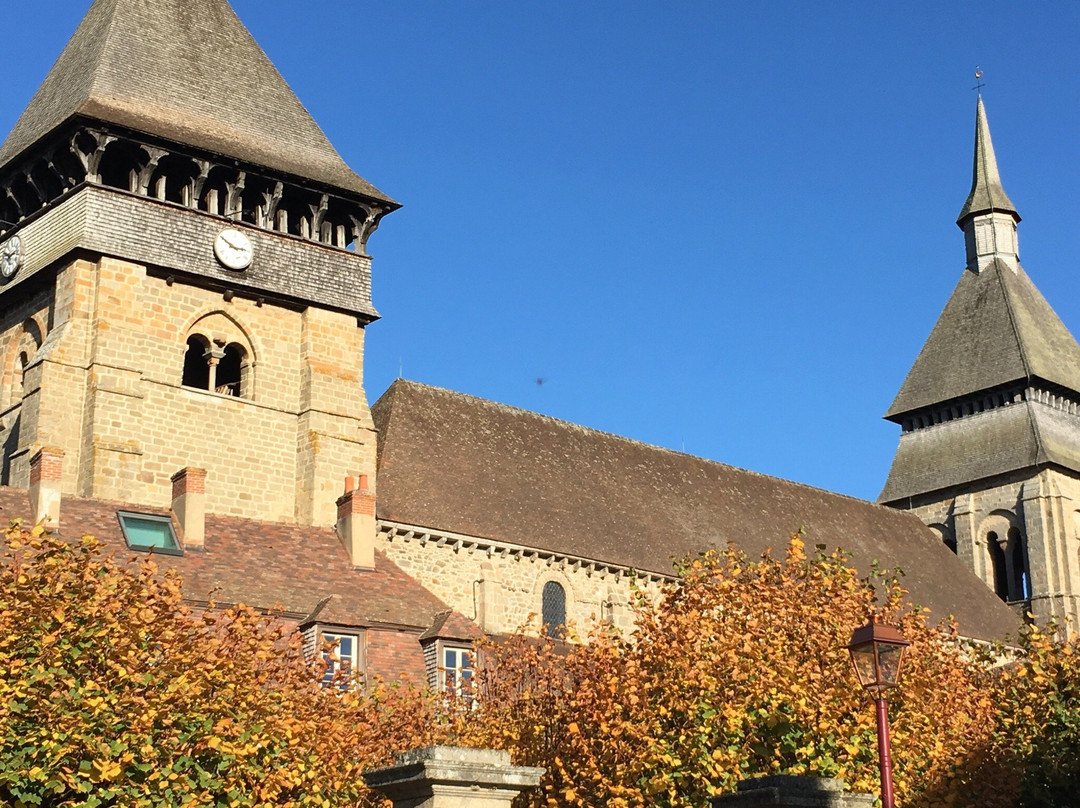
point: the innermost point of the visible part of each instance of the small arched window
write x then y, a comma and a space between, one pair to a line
553, 609
223, 370
196, 363
997, 558
230, 371
17, 377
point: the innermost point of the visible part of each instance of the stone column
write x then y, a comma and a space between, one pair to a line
450, 777
791, 791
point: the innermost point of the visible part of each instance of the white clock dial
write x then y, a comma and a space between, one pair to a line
233, 249
10, 257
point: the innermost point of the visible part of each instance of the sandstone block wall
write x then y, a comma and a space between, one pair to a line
105, 386
1044, 506
500, 587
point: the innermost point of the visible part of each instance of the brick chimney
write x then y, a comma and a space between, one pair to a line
356, 522
189, 505
46, 473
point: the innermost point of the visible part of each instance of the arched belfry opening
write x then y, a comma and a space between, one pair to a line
121, 165
173, 180
196, 366
218, 357
230, 371
1008, 557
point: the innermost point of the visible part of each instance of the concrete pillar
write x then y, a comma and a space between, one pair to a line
356, 525
189, 505
46, 474
450, 777
791, 791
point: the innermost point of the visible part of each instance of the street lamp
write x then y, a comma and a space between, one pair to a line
877, 650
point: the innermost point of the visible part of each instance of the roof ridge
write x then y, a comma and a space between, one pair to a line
100, 54
1011, 311
497, 405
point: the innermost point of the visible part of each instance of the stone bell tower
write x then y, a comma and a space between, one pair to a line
184, 277
989, 456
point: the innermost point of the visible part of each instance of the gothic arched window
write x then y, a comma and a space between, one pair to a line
553, 609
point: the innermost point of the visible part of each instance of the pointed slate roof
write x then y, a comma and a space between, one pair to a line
996, 328
461, 464
190, 72
987, 193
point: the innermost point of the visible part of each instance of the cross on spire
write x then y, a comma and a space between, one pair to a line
978, 81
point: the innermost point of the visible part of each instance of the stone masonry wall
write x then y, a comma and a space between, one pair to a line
500, 586
107, 389
1045, 507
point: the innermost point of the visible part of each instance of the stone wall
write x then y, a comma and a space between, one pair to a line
500, 585
105, 386
1044, 507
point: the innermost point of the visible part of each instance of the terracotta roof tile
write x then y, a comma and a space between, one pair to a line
263, 564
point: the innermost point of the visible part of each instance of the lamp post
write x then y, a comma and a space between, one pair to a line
877, 650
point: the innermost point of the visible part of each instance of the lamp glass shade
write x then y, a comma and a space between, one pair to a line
876, 653
889, 658
862, 658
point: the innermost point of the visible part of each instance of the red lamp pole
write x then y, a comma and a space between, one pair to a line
877, 652
884, 748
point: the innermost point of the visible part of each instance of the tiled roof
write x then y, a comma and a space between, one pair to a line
187, 71
263, 564
465, 465
996, 329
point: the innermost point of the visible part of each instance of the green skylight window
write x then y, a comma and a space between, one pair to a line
143, 531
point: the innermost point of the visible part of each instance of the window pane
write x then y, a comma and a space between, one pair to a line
553, 608
147, 532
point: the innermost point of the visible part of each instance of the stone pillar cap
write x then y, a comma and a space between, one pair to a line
792, 791
452, 765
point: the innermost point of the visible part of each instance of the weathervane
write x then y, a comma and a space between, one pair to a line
978, 81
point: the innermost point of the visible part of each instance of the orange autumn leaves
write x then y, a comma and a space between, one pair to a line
739, 670
112, 692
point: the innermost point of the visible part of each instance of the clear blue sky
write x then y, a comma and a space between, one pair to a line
724, 227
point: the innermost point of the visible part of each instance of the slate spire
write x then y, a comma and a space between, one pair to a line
970, 405
187, 71
987, 194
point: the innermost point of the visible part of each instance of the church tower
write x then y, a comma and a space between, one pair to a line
989, 455
184, 281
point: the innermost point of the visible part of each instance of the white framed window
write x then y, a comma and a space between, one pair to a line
342, 659
456, 669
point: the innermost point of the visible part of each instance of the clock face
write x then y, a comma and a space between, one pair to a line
233, 249
10, 256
